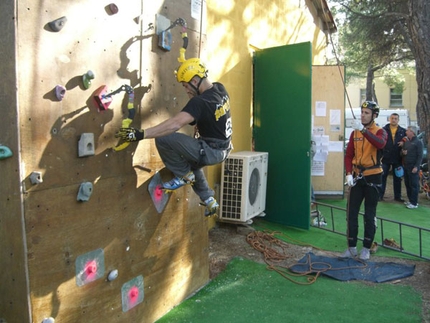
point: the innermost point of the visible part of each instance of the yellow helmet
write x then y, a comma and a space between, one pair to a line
190, 68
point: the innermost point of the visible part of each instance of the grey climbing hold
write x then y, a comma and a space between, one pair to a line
36, 178
86, 145
113, 8
85, 191
48, 320
112, 275
58, 24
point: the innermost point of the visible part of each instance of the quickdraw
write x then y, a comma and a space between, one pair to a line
101, 98
130, 107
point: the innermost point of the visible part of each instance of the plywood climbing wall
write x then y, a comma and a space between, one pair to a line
59, 250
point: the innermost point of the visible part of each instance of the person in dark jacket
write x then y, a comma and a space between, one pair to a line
412, 155
391, 158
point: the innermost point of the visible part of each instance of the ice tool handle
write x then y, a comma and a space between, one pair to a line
131, 111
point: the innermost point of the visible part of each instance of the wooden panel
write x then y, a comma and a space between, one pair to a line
13, 282
170, 250
167, 249
327, 86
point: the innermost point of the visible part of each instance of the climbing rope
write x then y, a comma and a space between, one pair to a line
275, 253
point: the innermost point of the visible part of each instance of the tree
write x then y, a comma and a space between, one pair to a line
369, 43
378, 34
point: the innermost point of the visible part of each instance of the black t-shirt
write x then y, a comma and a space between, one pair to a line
211, 112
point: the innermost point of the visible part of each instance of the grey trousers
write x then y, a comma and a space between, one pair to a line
182, 154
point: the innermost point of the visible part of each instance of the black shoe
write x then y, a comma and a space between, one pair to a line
381, 198
399, 200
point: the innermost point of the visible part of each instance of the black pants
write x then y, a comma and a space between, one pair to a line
412, 183
397, 181
365, 189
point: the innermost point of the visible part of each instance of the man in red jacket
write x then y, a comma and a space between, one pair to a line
364, 177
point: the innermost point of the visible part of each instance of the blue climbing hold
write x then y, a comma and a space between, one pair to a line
5, 152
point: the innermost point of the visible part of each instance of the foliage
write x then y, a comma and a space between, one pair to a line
370, 40
377, 34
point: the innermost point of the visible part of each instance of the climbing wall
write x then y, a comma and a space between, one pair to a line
80, 226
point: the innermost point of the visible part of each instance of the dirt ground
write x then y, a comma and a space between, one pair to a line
227, 241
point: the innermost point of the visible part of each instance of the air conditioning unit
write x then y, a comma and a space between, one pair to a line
243, 186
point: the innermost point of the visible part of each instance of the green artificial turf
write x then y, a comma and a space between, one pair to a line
247, 292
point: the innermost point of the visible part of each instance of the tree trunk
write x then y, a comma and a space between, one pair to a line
375, 98
369, 83
419, 28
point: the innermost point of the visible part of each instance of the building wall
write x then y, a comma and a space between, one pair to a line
410, 95
45, 231
238, 28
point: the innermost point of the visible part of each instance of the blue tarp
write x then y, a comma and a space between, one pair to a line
352, 269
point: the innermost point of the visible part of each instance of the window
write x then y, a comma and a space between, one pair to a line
396, 99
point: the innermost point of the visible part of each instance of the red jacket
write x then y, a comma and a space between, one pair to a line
364, 151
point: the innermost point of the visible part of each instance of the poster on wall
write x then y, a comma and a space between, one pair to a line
321, 109
196, 8
318, 168
321, 151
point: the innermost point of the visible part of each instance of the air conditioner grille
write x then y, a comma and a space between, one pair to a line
254, 183
232, 193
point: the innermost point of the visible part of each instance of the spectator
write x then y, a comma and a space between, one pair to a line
391, 158
412, 153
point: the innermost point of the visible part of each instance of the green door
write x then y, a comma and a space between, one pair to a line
282, 127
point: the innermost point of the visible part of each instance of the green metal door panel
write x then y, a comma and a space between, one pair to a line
282, 127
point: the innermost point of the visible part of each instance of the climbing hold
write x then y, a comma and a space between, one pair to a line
113, 8
165, 40
102, 99
85, 191
86, 79
60, 92
112, 275
132, 293
48, 320
36, 178
58, 24
158, 195
5, 152
86, 145
89, 267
